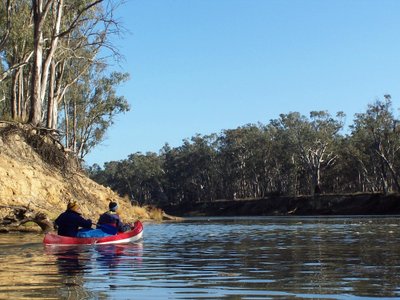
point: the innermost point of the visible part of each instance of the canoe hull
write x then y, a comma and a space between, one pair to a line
123, 237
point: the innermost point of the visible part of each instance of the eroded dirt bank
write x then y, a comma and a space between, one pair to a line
36, 172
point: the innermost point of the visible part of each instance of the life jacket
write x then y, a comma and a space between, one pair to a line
109, 222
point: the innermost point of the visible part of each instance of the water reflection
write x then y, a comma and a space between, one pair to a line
240, 258
112, 255
83, 268
69, 259
72, 261
309, 257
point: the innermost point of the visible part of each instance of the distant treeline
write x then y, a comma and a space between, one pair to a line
291, 155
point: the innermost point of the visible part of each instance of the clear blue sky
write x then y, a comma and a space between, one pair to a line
202, 66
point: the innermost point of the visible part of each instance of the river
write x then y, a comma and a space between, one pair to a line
215, 258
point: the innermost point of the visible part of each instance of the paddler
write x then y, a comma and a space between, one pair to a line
69, 222
110, 222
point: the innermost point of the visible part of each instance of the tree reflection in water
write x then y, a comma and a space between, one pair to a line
68, 258
76, 263
71, 262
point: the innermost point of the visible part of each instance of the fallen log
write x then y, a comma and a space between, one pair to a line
170, 218
13, 217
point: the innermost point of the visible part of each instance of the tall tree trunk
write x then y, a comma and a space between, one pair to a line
53, 46
7, 23
25, 95
66, 117
14, 95
51, 100
36, 104
385, 184
395, 174
75, 128
41, 66
21, 92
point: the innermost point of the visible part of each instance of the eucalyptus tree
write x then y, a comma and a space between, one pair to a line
204, 164
94, 105
145, 178
15, 22
65, 72
312, 139
87, 34
117, 175
377, 135
56, 20
96, 173
5, 21
190, 172
40, 40
268, 162
43, 50
171, 185
175, 174
109, 176
283, 167
16, 52
343, 176
232, 155
246, 154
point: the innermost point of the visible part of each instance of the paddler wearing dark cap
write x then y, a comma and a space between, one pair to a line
110, 222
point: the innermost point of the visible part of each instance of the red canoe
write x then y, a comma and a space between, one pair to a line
123, 237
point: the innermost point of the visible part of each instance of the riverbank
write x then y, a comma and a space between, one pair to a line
38, 177
346, 204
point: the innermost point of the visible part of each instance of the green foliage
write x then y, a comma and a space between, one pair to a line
93, 104
287, 156
139, 177
49, 56
190, 170
376, 144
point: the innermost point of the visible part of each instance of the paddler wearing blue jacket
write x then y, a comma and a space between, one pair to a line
110, 222
69, 222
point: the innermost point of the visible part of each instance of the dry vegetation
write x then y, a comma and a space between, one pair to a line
36, 172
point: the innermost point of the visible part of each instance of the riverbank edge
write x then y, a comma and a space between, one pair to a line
326, 204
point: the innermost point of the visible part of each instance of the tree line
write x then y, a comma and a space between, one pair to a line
54, 68
291, 155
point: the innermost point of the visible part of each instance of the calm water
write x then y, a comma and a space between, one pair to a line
224, 258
